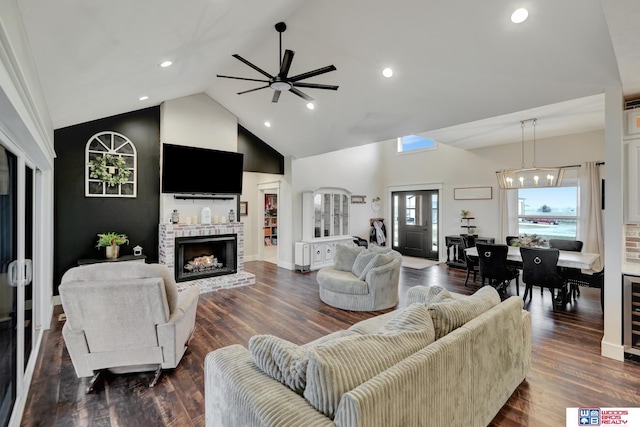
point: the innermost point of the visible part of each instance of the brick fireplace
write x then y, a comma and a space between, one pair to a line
168, 233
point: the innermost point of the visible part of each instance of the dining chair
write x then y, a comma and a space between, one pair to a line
566, 245
568, 273
471, 263
492, 261
540, 268
511, 239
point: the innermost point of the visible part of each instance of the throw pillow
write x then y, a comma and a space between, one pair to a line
361, 261
345, 257
377, 261
450, 315
285, 361
428, 295
379, 249
341, 365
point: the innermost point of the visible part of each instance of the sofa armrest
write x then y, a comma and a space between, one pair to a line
78, 349
173, 335
237, 393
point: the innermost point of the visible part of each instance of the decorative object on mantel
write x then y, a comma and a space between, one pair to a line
244, 208
358, 199
137, 250
232, 215
531, 240
110, 166
205, 215
533, 177
111, 241
376, 203
175, 217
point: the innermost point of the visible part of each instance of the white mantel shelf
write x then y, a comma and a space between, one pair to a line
167, 234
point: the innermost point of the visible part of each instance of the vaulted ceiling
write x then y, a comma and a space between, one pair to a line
455, 62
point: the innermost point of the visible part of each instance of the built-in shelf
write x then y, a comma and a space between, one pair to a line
203, 197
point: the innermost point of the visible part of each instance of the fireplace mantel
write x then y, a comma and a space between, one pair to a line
166, 253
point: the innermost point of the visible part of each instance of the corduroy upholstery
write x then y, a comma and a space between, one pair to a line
461, 379
371, 285
126, 317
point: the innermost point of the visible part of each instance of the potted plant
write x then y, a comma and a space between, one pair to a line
111, 241
465, 213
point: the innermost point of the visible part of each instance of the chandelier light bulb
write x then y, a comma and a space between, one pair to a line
310, 106
267, 124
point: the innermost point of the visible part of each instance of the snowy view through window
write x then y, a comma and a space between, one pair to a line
550, 213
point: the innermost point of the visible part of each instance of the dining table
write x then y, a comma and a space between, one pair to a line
569, 259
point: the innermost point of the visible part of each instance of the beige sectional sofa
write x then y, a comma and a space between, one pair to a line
445, 359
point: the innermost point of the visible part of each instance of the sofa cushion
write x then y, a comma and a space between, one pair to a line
345, 257
285, 361
379, 249
361, 261
341, 365
343, 282
450, 315
373, 260
428, 294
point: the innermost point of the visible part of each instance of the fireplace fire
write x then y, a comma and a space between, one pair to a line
205, 256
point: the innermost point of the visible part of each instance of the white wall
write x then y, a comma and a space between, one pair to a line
372, 169
359, 170
197, 121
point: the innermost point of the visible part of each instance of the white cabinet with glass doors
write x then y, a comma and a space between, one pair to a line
325, 223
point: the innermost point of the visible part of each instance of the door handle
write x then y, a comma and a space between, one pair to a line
12, 273
28, 272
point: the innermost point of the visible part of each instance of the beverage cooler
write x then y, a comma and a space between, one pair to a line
631, 326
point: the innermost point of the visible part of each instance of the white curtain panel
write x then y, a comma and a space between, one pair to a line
590, 230
508, 214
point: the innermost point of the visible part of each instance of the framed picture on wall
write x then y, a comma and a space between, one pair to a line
244, 208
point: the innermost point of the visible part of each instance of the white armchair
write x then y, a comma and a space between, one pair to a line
125, 317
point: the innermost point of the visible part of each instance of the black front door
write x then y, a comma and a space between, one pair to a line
415, 223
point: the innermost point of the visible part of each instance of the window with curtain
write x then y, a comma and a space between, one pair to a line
551, 213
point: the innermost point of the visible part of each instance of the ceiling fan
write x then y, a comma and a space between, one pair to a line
282, 82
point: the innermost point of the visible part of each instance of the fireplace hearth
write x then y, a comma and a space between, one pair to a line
205, 256
207, 248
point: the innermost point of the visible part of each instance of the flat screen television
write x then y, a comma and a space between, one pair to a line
195, 170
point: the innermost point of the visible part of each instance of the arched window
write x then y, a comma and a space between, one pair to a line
110, 166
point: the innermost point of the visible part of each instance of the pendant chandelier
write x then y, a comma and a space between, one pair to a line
533, 177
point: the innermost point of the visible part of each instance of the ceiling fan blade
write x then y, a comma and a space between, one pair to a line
301, 94
276, 95
251, 90
312, 73
261, 71
315, 86
241, 78
286, 63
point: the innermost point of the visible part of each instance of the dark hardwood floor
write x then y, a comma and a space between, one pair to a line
567, 369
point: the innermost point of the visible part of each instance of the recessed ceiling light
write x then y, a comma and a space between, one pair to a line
310, 106
520, 15
387, 72
143, 98
267, 124
165, 64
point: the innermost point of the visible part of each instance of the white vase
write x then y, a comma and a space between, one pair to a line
112, 251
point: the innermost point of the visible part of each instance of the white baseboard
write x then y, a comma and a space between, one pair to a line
612, 351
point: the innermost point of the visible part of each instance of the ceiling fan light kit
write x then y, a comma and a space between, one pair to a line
533, 177
281, 82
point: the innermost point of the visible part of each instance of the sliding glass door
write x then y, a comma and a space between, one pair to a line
17, 302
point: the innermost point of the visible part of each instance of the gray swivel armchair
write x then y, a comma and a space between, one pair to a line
125, 317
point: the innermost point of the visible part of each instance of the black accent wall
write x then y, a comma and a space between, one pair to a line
258, 156
78, 219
